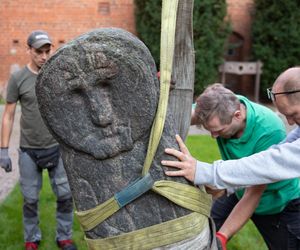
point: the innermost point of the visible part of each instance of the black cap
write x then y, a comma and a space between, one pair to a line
38, 39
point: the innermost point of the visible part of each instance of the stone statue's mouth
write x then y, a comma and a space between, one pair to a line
110, 131
108, 142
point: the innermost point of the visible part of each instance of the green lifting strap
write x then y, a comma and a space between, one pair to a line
92, 217
187, 196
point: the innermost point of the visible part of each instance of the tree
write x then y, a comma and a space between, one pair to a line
276, 37
210, 34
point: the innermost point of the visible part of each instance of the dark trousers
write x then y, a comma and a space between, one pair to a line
280, 231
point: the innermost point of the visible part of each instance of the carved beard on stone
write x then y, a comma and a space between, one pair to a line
95, 79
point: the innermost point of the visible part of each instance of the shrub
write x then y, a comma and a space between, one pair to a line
210, 35
276, 37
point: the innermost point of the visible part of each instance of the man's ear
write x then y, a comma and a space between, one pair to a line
237, 114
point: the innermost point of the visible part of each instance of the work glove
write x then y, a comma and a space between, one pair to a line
5, 161
221, 241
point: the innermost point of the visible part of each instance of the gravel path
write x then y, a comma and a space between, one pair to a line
8, 180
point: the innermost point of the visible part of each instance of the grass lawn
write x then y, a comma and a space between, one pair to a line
11, 228
204, 148
11, 236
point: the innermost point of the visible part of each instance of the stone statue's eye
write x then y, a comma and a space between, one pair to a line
69, 68
100, 60
104, 83
97, 60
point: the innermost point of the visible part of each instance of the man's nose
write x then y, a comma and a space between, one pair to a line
44, 55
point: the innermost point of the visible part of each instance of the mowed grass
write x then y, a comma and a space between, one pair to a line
11, 237
11, 227
204, 148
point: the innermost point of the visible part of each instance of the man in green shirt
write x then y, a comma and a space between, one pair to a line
243, 128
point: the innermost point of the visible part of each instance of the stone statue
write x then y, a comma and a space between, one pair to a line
98, 95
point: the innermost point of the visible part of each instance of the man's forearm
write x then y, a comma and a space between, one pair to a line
7, 124
278, 163
242, 211
5, 133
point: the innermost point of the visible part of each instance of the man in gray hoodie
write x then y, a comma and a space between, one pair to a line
277, 163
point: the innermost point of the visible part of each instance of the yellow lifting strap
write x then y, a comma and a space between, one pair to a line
167, 44
184, 195
151, 237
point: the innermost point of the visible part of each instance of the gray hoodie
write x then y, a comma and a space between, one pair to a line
279, 162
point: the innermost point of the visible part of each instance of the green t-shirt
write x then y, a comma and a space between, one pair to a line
34, 133
263, 129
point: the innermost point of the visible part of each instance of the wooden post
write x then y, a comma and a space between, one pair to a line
181, 98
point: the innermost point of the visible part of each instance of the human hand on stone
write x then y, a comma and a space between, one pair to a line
186, 164
5, 161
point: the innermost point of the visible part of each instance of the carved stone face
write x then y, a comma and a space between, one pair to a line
107, 87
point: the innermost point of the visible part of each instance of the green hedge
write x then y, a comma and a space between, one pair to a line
210, 35
276, 37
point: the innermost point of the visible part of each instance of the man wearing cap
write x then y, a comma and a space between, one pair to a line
38, 149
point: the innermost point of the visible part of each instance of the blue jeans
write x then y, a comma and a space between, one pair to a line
31, 180
280, 231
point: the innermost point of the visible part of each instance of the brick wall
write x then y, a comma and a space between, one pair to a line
240, 14
66, 19
63, 20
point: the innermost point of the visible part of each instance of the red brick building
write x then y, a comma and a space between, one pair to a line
240, 16
63, 20
67, 19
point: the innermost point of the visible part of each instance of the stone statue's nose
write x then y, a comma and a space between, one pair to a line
101, 109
